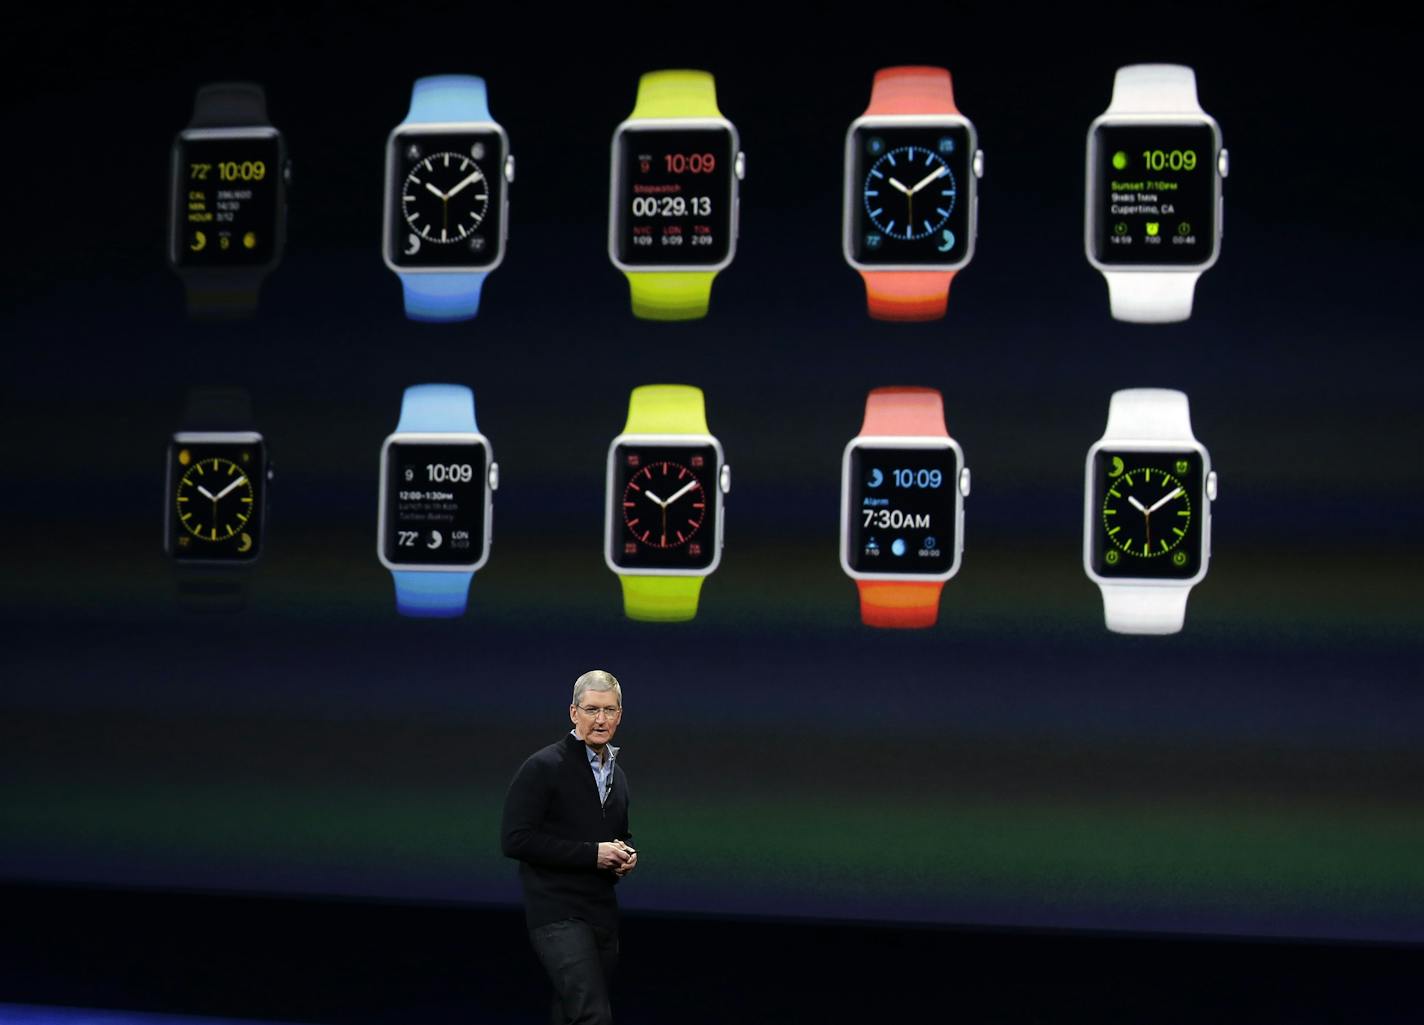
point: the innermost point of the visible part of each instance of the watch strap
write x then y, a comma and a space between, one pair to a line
666, 409
676, 93
670, 295
217, 409
900, 411
434, 409
1149, 414
1155, 89
1151, 297
436, 298
229, 105
1144, 609
909, 296
673, 295
448, 98
660, 599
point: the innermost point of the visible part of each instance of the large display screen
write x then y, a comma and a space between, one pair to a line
435, 503
226, 189
216, 499
673, 196
663, 506
446, 206
1016, 766
1147, 513
1154, 189
911, 194
901, 507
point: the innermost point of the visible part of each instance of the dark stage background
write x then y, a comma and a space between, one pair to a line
1261, 774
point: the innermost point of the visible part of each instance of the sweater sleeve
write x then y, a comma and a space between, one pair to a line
524, 808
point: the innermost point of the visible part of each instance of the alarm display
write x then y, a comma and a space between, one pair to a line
673, 196
435, 502
902, 506
1154, 194
227, 187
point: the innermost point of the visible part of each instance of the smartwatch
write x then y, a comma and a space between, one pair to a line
1147, 513
666, 482
1153, 210
215, 499
438, 478
673, 201
227, 215
448, 168
911, 213
903, 485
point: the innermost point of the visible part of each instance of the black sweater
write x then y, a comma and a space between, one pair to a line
553, 823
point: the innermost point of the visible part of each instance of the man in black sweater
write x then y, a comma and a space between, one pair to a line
566, 821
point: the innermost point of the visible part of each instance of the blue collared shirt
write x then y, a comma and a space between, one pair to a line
602, 768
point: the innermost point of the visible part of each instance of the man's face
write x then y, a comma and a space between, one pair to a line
596, 717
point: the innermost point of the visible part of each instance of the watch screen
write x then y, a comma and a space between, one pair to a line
435, 503
910, 200
664, 506
225, 194
672, 202
1146, 514
902, 507
1154, 193
447, 198
216, 500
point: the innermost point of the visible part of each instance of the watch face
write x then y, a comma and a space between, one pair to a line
1146, 513
663, 512
910, 194
434, 503
227, 191
673, 196
216, 496
1154, 194
446, 203
902, 506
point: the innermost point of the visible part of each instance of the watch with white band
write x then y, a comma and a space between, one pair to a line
1148, 487
1153, 210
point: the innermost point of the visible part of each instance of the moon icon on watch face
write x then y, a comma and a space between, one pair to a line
435, 539
876, 478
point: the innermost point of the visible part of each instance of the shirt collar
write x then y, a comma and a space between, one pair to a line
593, 758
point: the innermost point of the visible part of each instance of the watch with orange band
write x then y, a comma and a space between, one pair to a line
912, 170
903, 485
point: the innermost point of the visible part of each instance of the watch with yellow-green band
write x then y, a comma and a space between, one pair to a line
666, 481
677, 166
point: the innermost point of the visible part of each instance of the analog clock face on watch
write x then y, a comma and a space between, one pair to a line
665, 506
911, 194
1147, 515
216, 500
447, 199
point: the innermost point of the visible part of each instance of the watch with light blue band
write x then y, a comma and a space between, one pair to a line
438, 476
446, 209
